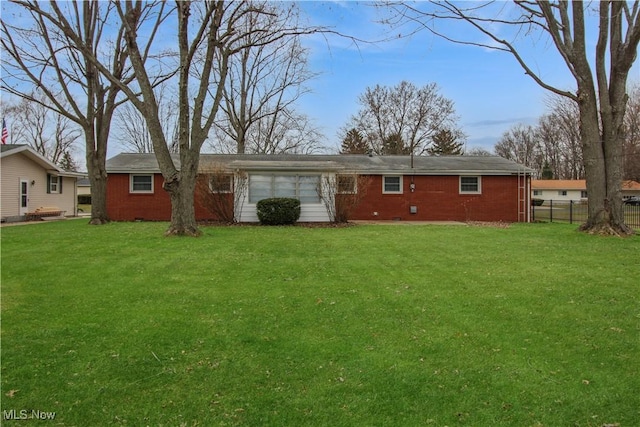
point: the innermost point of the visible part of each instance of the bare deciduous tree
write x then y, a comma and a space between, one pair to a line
631, 145
559, 135
601, 83
50, 47
263, 83
520, 144
131, 130
33, 123
412, 114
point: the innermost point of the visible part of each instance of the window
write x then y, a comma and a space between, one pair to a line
470, 185
346, 184
583, 194
392, 184
301, 187
562, 193
141, 184
54, 184
221, 183
537, 192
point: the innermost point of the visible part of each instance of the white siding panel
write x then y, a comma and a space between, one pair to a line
308, 213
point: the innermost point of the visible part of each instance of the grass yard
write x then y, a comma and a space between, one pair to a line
532, 325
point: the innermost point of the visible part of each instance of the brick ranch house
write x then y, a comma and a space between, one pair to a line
401, 188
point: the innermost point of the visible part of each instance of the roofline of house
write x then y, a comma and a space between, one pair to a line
345, 171
46, 164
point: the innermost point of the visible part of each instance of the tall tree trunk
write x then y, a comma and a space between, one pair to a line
181, 188
96, 167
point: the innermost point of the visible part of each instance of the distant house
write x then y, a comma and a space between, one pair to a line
30, 182
630, 189
84, 187
559, 190
566, 190
445, 188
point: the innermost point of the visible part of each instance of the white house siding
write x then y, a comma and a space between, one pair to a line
575, 195
17, 167
308, 213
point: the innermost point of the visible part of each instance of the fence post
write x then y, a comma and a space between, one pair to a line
571, 212
533, 212
551, 210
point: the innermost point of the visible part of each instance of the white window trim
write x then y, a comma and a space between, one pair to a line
384, 178
479, 178
57, 179
131, 190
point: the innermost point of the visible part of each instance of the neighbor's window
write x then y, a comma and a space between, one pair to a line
221, 183
470, 184
141, 183
583, 194
537, 192
562, 193
301, 187
392, 184
54, 184
346, 184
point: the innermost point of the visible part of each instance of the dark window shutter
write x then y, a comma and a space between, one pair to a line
60, 184
48, 183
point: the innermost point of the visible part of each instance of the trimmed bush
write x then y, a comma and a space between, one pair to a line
278, 211
537, 202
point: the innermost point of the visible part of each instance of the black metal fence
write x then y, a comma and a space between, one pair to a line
576, 212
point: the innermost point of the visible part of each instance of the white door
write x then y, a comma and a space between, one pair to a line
24, 196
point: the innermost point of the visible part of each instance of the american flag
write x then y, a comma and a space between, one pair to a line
5, 132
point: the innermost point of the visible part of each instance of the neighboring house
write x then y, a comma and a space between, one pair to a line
30, 181
445, 188
630, 189
84, 187
559, 190
567, 190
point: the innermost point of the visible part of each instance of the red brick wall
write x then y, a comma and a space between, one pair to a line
437, 198
125, 206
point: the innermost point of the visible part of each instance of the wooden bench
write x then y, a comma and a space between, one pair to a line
47, 212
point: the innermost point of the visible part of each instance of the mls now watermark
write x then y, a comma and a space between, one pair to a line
27, 414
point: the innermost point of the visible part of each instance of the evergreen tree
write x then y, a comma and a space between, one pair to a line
547, 173
394, 145
68, 163
354, 143
446, 143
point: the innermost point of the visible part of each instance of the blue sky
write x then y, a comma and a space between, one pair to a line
489, 88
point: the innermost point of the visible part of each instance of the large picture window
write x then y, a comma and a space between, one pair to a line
301, 187
470, 185
141, 183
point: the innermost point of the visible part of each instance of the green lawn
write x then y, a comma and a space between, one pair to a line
532, 325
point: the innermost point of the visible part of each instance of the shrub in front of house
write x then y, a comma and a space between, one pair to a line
537, 202
278, 211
